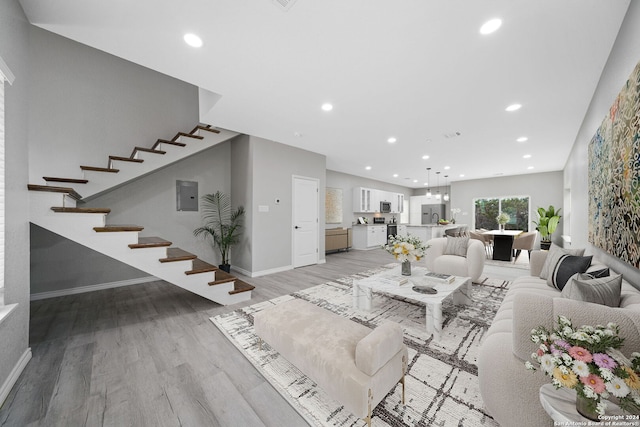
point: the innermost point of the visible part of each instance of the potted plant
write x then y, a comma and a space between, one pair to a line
548, 220
221, 224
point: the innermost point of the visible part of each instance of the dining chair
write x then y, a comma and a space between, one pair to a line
479, 236
523, 241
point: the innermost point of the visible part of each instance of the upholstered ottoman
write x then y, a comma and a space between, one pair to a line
355, 365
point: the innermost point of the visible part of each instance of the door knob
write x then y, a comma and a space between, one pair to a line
296, 227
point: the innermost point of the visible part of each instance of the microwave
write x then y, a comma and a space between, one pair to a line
385, 207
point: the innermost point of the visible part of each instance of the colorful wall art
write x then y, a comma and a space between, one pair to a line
614, 177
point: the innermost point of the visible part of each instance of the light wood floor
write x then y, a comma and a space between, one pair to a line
147, 355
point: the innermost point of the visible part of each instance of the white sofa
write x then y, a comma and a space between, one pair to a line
470, 266
509, 391
353, 364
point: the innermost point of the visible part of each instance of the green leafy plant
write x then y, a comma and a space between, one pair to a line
221, 224
548, 220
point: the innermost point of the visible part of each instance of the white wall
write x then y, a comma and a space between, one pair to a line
347, 183
86, 105
622, 60
14, 48
543, 189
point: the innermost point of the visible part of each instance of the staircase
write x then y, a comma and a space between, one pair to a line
53, 206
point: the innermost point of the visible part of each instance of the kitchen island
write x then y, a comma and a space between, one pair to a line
429, 231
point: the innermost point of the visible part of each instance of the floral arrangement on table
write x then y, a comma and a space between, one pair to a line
503, 218
587, 359
405, 248
454, 212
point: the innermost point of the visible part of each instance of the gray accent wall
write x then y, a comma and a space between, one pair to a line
624, 56
543, 189
262, 172
14, 47
86, 104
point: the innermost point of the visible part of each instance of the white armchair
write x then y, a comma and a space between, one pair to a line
469, 266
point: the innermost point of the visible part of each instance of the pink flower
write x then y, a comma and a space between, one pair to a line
595, 382
604, 361
540, 352
581, 354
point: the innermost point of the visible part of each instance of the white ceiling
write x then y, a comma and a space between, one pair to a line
415, 70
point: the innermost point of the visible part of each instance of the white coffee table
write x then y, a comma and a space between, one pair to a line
386, 282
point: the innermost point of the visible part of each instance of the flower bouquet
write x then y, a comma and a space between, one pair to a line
502, 219
588, 360
405, 249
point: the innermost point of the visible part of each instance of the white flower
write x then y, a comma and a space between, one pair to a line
580, 368
606, 374
535, 339
544, 348
567, 358
611, 325
618, 357
567, 331
563, 321
589, 393
636, 400
529, 366
601, 406
546, 361
617, 387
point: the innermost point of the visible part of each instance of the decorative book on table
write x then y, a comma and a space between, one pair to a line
393, 280
439, 277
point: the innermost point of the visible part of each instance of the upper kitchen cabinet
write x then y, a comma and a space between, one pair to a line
365, 200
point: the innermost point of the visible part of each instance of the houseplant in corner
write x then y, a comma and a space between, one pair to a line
548, 220
221, 224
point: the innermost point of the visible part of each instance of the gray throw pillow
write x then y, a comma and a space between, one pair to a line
555, 252
567, 266
457, 246
602, 290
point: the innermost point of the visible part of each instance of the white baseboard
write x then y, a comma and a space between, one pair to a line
91, 288
14, 375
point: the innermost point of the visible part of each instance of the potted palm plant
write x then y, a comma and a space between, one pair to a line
221, 224
548, 220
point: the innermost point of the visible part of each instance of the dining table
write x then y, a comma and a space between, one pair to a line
502, 243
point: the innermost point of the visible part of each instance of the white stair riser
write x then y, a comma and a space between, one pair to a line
42, 201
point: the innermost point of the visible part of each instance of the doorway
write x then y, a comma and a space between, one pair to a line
305, 221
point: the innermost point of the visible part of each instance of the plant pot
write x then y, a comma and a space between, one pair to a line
225, 267
587, 407
545, 246
406, 268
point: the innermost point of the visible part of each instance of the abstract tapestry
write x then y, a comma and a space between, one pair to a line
333, 206
614, 177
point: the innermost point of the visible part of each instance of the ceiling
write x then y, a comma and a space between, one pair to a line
418, 71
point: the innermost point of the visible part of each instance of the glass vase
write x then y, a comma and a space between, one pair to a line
406, 268
587, 407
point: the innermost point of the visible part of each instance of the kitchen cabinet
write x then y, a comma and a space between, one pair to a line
369, 236
402, 230
398, 205
363, 200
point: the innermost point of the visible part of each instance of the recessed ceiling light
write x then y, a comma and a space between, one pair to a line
368, 168
513, 107
461, 175
425, 184
415, 180
391, 140
192, 40
425, 157
447, 168
530, 167
327, 107
526, 156
490, 26
522, 139
395, 175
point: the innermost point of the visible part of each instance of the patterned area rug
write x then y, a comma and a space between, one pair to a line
441, 384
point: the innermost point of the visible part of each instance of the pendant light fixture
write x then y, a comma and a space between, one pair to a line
438, 196
429, 182
446, 194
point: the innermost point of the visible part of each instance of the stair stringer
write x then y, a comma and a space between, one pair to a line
79, 228
102, 182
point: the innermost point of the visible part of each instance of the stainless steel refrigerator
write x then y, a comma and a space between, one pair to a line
431, 214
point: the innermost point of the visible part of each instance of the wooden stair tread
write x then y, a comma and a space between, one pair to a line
177, 254
69, 180
222, 277
240, 286
150, 242
125, 159
52, 189
81, 210
117, 228
208, 128
165, 141
199, 266
188, 135
147, 150
97, 169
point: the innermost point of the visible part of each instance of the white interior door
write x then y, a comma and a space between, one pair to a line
305, 221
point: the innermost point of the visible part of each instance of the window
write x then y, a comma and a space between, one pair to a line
517, 207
